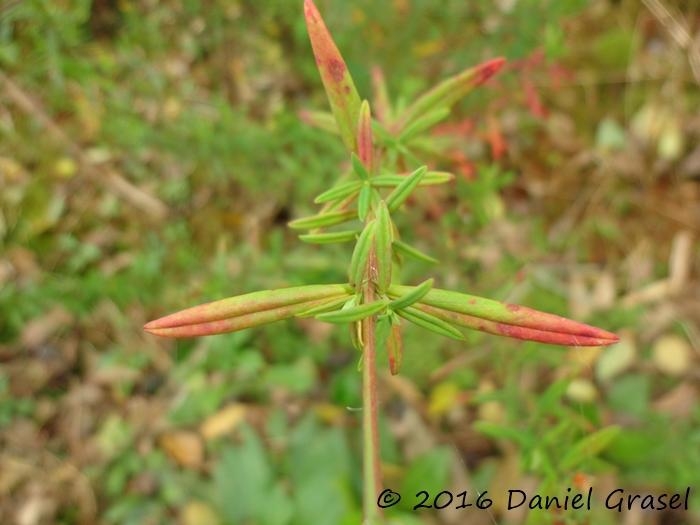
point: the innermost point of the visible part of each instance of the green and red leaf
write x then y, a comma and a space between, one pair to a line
339, 86
244, 311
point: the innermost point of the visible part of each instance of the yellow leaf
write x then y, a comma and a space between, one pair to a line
223, 421
184, 446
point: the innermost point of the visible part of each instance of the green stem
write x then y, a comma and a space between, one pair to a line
370, 424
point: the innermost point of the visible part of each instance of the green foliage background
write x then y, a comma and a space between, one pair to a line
196, 105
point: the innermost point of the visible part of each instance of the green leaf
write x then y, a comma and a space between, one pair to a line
321, 220
431, 178
410, 251
383, 251
413, 296
358, 167
497, 431
356, 313
589, 447
449, 91
326, 306
364, 201
360, 254
397, 197
382, 330
339, 192
339, 86
423, 123
329, 238
430, 322
394, 348
247, 304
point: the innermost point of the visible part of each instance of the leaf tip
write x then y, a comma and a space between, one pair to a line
488, 69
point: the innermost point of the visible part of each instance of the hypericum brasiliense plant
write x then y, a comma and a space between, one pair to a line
359, 209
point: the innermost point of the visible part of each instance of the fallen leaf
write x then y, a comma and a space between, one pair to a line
184, 446
223, 421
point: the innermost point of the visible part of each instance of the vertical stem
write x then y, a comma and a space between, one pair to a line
370, 423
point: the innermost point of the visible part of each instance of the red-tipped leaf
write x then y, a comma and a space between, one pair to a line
339, 86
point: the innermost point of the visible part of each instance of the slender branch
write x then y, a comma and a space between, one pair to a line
370, 425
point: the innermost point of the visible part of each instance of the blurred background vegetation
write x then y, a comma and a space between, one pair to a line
151, 153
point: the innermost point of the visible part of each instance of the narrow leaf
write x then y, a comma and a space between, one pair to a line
351, 315
358, 167
338, 192
394, 347
247, 304
516, 332
321, 220
451, 90
431, 178
365, 144
360, 254
413, 296
329, 238
410, 251
509, 314
383, 251
397, 197
589, 447
328, 305
430, 322
363, 201
423, 123
382, 330
233, 324
339, 86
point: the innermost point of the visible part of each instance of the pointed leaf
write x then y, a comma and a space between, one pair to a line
358, 167
589, 447
229, 324
394, 347
431, 178
397, 197
451, 90
383, 251
329, 238
339, 86
340, 191
360, 254
430, 322
351, 315
363, 201
365, 144
509, 314
247, 304
413, 296
321, 220
409, 251
516, 332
